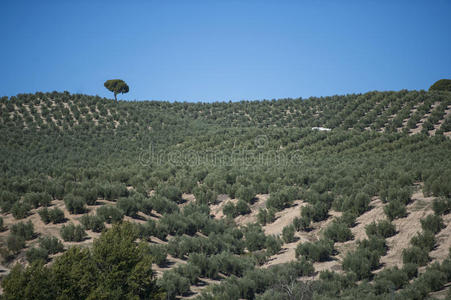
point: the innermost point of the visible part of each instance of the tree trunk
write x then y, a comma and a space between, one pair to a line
115, 97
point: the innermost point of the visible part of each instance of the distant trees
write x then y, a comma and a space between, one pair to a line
441, 85
117, 86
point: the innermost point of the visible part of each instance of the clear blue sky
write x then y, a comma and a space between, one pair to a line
223, 50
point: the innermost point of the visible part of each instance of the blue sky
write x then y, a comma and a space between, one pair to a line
223, 50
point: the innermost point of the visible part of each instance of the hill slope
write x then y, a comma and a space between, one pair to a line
230, 196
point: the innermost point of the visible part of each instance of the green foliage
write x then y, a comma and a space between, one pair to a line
117, 86
432, 223
338, 232
54, 215
273, 244
37, 199
254, 237
266, 216
73, 233
383, 229
24, 230
110, 214
51, 244
174, 284
302, 223
395, 210
282, 198
159, 254
20, 210
15, 243
288, 234
34, 254
441, 85
317, 251
128, 205
424, 240
441, 206
74, 204
415, 255
93, 222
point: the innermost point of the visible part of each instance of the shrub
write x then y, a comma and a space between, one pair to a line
34, 254
162, 205
25, 230
128, 206
37, 199
94, 223
424, 240
110, 214
52, 244
383, 229
229, 210
441, 85
56, 215
266, 216
254, 237
361, 262
273, 245
205, 195
317, 251
44, 214
415, 255
302, 223
2, 228
171, 192
288, 234
441, 206
396, 278
174, 284
338, 232
282, 198
20, 210
432, 223
242, 208
73, 233
159, 254
317, 212
395, 210
246, 194
74, 204
15, 243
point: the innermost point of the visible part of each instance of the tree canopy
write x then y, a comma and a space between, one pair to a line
441, 85
116, 86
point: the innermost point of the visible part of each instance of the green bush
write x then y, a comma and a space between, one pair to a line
441, 206
424, 240
288, 234
441, 85
128, 205
266, 216
242, 208
110, 214
415, 255
94, 223
254, 237
52, 244
246, 194
174, 284
383, 229
74, 204
338, 232
432, 223
317, 251
34, 254
361, 262
15, 243
25, 230
159, 254
301, 224
37, 199
56, 215
273, 245
73, 233
395, 210
44, 214
20, 210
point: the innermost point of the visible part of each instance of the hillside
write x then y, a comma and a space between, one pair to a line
239, 200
